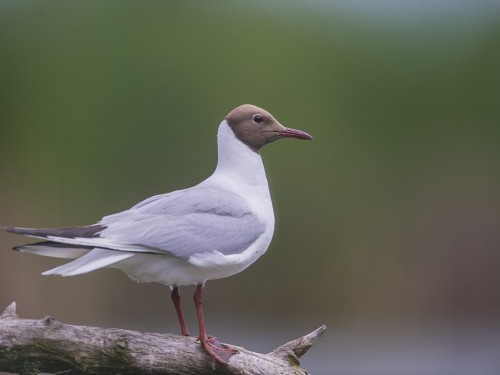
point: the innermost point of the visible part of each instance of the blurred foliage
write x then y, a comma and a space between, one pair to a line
392, 213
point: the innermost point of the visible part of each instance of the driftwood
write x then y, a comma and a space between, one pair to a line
32, 346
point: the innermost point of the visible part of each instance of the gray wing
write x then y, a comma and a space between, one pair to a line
186, 222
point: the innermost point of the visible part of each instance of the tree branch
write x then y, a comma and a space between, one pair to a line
31, 346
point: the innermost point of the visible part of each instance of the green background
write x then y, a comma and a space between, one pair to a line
387, 224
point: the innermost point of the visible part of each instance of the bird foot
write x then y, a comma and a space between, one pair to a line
218, 351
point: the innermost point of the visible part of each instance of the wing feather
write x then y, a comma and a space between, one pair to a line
181, 223
187, 222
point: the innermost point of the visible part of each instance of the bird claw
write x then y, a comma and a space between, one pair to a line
218, 351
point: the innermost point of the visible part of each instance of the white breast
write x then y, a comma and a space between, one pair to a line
239, 170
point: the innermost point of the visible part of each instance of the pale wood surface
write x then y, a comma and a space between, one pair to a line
30, 346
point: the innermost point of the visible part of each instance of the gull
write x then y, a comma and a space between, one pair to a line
210, 231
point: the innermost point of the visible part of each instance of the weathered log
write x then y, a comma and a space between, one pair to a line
30, 346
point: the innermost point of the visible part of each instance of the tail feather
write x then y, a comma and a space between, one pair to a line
54, 249
94, 259
84, 245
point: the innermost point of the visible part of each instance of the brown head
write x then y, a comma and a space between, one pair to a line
256, 127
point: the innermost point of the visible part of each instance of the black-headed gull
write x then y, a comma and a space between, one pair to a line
209, 231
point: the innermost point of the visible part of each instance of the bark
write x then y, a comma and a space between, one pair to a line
30, 346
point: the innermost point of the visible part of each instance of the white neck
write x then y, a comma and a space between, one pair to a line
238, 161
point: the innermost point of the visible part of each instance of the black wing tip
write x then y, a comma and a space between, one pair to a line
27, 231
9, 228
88, 231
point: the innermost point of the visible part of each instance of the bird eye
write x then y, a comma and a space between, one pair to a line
257, 118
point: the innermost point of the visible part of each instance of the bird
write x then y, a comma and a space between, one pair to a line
212, 230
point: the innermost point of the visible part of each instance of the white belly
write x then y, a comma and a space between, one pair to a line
199, 268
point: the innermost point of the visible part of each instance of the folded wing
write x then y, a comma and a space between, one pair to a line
187, 222
181, 224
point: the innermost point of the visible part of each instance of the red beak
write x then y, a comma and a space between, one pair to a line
294, 133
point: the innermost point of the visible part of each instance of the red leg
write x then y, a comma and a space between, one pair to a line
177, 303
212, 346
